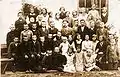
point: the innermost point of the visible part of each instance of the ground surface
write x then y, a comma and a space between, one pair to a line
58, 74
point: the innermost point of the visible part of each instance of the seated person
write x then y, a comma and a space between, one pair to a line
89, 62
70, 66
13, 52
35, 53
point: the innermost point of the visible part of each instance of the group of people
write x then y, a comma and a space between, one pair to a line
40, 41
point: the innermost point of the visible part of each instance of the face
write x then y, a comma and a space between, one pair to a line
16, 39
34, 37
70, 37
74, 13
56, 49
92, 24
32, 10
82, 23
57, 16
65, 24
52, 24
78, 37
104, 10
64, 39
20, 15
100, 38
42, 39
26, 27
32, 19
93, 7
59, 34
34, 26
94, 38
86, 37
44, 24
76, 22
40, 17
44, 11
12, 28
83, 10
67, 13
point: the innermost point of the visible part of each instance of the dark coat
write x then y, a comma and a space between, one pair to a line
84, 32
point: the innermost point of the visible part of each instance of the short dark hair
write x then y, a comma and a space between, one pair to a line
62, 8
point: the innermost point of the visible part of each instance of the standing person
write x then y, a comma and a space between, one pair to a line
11, 35
104, 15
112, 55
26, 32
13, 53
101, 53
19, 24
58, 22
70, 66
62, 12
94, 12
78, 54
83, 29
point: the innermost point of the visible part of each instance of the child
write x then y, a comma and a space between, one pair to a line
79, 54
70, 66
112, 55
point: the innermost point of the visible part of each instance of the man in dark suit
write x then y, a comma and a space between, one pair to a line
83, 29
20, 23
35, 54
11, 35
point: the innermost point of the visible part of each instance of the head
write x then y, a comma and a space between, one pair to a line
50, 36
92, 23
57, 15
52, 24
26, 27
32, 19
44, 11
31, 10
42, 39
34, 26
101, 38
20, 15
104, 10
70, 37
34, 37
39, 17
74, 13
67, 13
102, 25
93, 7
78, 36
112, 42
76, 22
94, 37
64, 39
59, 34
87, 37
65, 23
62, 9
44, 23
56, 50
16, 39
12, 27
83, 10
82, 22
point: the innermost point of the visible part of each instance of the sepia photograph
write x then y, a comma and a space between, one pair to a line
60, 38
